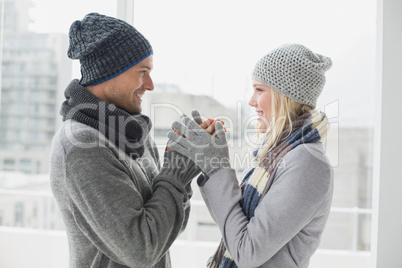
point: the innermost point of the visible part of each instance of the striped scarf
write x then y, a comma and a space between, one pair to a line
310, 127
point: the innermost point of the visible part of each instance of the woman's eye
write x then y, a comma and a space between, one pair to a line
258, 89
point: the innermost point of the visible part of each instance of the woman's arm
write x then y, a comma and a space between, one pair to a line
299, 190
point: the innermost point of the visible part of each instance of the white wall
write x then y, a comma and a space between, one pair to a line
387, 198
21, 248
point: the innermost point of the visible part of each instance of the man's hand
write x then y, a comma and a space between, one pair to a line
208, 125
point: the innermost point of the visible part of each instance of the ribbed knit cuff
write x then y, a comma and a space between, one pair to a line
179, 167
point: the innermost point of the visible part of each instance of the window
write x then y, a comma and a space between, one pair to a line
51, 108
36, 94
51, 122
20, 107
215, 48
5, 108
51, 94
35, 122
24, 162
35, 135
19, 214
4, 122
35, 107
22, 67
20, 94
17, 135
9, 161
38, 169
39, 66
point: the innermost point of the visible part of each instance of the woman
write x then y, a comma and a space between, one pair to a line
275, 218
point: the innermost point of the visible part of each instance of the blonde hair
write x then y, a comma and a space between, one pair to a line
284, 111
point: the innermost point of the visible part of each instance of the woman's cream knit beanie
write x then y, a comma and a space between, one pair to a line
295, 71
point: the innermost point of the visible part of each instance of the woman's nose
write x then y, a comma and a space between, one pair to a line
252, 102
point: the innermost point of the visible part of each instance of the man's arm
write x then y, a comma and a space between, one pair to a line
111, 212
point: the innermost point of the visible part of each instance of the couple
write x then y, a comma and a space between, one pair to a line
120, 212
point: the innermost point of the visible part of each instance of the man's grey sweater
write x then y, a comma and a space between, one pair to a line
118, 212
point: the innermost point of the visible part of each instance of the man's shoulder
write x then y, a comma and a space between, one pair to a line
73, 134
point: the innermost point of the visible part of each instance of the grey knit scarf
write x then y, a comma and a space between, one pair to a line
127, 131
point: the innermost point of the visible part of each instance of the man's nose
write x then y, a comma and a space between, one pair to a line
148, 83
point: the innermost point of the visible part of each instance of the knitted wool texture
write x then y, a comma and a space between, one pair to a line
295, 71
106, 47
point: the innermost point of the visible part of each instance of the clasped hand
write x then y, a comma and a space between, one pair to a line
209, 152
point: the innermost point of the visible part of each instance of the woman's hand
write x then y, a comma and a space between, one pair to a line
209, 152
208, 125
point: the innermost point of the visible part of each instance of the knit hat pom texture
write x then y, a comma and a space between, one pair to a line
295, 71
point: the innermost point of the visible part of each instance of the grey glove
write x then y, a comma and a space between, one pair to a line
177, 166
209, 153
196, 117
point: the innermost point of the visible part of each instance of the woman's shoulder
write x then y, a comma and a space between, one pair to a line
307, 162
308, 154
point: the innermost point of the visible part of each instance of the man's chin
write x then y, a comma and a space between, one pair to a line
136, 110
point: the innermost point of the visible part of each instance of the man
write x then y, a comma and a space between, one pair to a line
119, 209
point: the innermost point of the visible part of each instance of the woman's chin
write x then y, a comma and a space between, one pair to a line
262, 128
262, 125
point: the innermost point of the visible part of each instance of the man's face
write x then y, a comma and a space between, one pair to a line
126, 90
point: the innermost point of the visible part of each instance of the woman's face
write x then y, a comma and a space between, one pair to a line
261, 101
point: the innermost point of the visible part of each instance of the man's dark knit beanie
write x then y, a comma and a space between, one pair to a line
106, 47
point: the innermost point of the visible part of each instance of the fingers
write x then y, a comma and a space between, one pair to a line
206, 124
177, 132
190, 123
175, 138
180, 129
196, 117
169, 149
177, 143
211, 127
196, 127
220, 131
